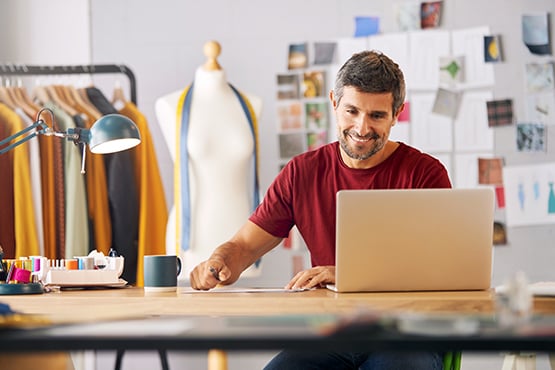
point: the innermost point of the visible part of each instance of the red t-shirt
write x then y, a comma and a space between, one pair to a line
304, 192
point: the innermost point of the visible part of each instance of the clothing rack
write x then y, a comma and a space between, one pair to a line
24, 70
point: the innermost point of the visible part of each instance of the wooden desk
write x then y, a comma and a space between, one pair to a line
211, 310
77, 305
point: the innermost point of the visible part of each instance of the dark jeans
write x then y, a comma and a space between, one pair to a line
291, 360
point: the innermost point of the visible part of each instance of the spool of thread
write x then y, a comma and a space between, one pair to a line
21, 275
86, 263
72, 264
27, 264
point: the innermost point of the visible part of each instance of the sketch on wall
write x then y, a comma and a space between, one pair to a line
530, 194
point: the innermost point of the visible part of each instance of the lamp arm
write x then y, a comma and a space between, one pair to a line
74, 134
43, 131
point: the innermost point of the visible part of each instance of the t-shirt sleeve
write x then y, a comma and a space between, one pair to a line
275, 212
433, 173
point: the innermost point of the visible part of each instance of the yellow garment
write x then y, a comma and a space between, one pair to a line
153, 212
26, 239
177, 171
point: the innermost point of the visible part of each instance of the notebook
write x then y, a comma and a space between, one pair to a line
414, 240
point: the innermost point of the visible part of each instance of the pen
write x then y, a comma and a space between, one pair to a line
10, 273
215, 273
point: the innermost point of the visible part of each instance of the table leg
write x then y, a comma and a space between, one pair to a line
217, 360
552, 360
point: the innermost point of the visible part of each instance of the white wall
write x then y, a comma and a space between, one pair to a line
45, 32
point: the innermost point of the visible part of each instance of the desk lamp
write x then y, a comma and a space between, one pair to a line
109, 134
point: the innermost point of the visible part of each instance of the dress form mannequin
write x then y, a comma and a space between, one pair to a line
220, 146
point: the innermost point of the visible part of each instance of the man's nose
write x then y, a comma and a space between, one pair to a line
363, 126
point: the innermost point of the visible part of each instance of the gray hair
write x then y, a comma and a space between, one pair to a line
371, 71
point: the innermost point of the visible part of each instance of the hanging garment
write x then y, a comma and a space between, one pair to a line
76, 218
47, 173
100, 229
7, 224
181, 168
153, 212
34, 158
59, 192
26, 241
122, 196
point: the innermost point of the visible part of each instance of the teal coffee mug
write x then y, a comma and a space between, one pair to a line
160, 273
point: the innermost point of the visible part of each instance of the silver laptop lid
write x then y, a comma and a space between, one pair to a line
414, 239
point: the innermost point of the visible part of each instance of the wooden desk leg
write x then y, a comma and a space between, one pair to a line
519, 361
217, 360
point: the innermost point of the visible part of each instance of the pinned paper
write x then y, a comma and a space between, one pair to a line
535, 33
500, 112
405, 113
447, 103
500, 196
540, 77
366, 26
298, 56
490, 171
531, 137
430, 13
324, 52
492, 49
408, 16
451, 70
499, 233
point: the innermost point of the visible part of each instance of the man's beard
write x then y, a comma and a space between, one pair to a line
378, 144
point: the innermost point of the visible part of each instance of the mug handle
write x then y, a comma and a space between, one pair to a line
178, 265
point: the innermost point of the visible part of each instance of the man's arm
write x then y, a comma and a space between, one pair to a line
230, 259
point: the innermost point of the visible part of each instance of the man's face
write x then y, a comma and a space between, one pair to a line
364, 121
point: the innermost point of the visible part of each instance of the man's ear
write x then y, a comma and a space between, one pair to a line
401, 109
332, 100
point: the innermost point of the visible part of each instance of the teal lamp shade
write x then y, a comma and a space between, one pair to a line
113, 133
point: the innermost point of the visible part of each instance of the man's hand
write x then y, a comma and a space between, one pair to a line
209, 273
313, 278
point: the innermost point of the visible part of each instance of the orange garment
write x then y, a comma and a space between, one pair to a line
153, 212
48, 192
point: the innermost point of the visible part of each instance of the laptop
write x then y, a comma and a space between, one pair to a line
414, 240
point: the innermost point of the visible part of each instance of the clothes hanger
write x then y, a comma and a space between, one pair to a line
64, 94
20, 92
83, 93
118, 97
11, 90
29, 110
81, 104
59, 101
41, 94
5, 96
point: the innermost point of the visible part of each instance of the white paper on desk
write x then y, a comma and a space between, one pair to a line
133, 328
241, 290
541, 288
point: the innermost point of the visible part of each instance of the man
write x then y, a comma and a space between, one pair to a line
367, 99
